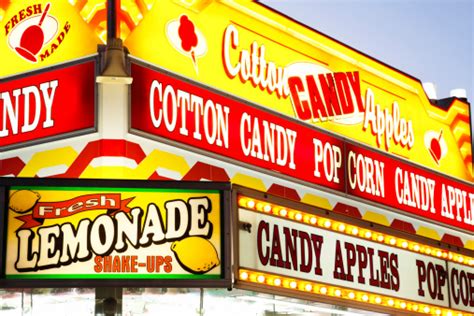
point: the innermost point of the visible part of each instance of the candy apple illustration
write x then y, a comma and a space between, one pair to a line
32, 39
436, 145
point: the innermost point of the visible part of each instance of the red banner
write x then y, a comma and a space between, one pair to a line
47, 104
177, 110
49, 210
180, 111
379, 178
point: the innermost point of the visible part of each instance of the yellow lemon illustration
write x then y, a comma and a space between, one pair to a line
23, 200
195, 254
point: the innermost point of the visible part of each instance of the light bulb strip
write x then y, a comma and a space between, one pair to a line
352, 230
306, 286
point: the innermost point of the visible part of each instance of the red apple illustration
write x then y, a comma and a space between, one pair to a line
32, 39
435, 147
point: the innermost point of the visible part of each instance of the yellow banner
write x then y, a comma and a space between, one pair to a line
38, 34
103, 233
245, 49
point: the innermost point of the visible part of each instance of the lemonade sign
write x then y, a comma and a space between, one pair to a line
113, 233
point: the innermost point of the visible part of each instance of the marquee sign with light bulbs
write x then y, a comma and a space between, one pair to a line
291, 249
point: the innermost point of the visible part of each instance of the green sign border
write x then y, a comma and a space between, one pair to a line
114, 279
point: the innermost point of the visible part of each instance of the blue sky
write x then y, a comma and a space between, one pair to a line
432, 40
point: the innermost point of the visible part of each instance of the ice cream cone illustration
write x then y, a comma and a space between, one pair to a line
32, 39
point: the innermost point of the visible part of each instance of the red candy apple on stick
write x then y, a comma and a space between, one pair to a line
189, 39
32, 39
435, 147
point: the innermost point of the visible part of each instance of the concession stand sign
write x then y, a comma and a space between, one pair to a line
113, 232
40, 34
178, 110
48, 104
250, 51
283, 248
47, 76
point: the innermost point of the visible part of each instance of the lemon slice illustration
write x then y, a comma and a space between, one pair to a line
23, 200
195, 254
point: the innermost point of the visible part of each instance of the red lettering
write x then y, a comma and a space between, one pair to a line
133, 264
441, 280
374, 274
98, 264
317, 105
435, 278
21, 15
263, 227
305, 243
107, 263
330, 95
362, 259
159, 260
394, 271
301, 107
277, 257
290, 248
285, 253
339, 272
29, 11
125, 264
168, 267
344, 93
37, 8
464, 287
351, 259
116, 264
150, 264
14, 21
353, 78
317, 243
384, 265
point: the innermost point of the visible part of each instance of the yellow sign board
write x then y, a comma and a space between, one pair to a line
36, 34
97, 232
246, 49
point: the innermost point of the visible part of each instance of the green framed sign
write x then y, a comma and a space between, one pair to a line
59, 232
